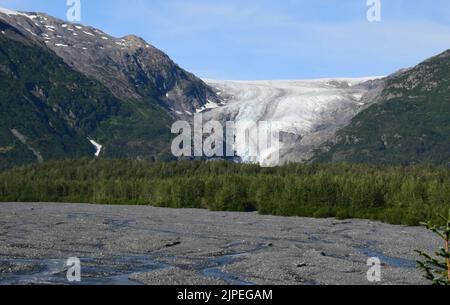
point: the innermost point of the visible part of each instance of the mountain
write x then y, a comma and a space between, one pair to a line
309, 112
47, 109
409, 123
128, 66
69, 91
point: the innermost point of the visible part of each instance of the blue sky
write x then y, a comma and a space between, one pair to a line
269, 39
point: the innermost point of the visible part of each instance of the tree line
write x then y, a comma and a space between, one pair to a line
394, 194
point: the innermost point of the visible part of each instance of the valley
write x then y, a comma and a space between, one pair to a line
88, 172
124, 94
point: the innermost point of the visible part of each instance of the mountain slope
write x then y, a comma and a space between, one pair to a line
68, 91
409, 124
48, 110
128, 66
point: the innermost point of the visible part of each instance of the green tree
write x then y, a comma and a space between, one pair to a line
437, 268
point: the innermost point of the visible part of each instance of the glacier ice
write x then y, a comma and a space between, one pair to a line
309, 112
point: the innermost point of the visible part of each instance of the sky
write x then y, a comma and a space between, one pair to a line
272, 39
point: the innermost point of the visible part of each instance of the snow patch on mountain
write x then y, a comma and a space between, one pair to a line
16, 13
10, 12
98, 147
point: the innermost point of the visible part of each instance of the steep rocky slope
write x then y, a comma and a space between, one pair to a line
408, 124
47, 110
128, 66
51, 111
69, 91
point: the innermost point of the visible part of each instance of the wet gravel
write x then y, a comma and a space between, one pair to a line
146, 245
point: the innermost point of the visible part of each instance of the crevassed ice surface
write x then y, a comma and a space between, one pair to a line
308, 111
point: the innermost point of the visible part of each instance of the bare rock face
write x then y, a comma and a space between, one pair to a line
128, 66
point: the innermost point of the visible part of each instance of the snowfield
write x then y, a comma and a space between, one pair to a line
309, 111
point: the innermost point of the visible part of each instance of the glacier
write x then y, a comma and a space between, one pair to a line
309, 112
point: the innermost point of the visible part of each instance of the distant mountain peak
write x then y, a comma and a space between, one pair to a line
135, 39
65, 84
9, 12
129, 66
408, 124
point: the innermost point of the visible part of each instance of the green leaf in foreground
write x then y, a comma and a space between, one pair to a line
437, 268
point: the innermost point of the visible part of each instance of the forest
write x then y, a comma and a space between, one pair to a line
404, 195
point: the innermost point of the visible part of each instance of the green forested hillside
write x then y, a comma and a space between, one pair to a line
395, 194
48, 111
409, 125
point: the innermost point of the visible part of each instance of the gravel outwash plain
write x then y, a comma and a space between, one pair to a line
147, 245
